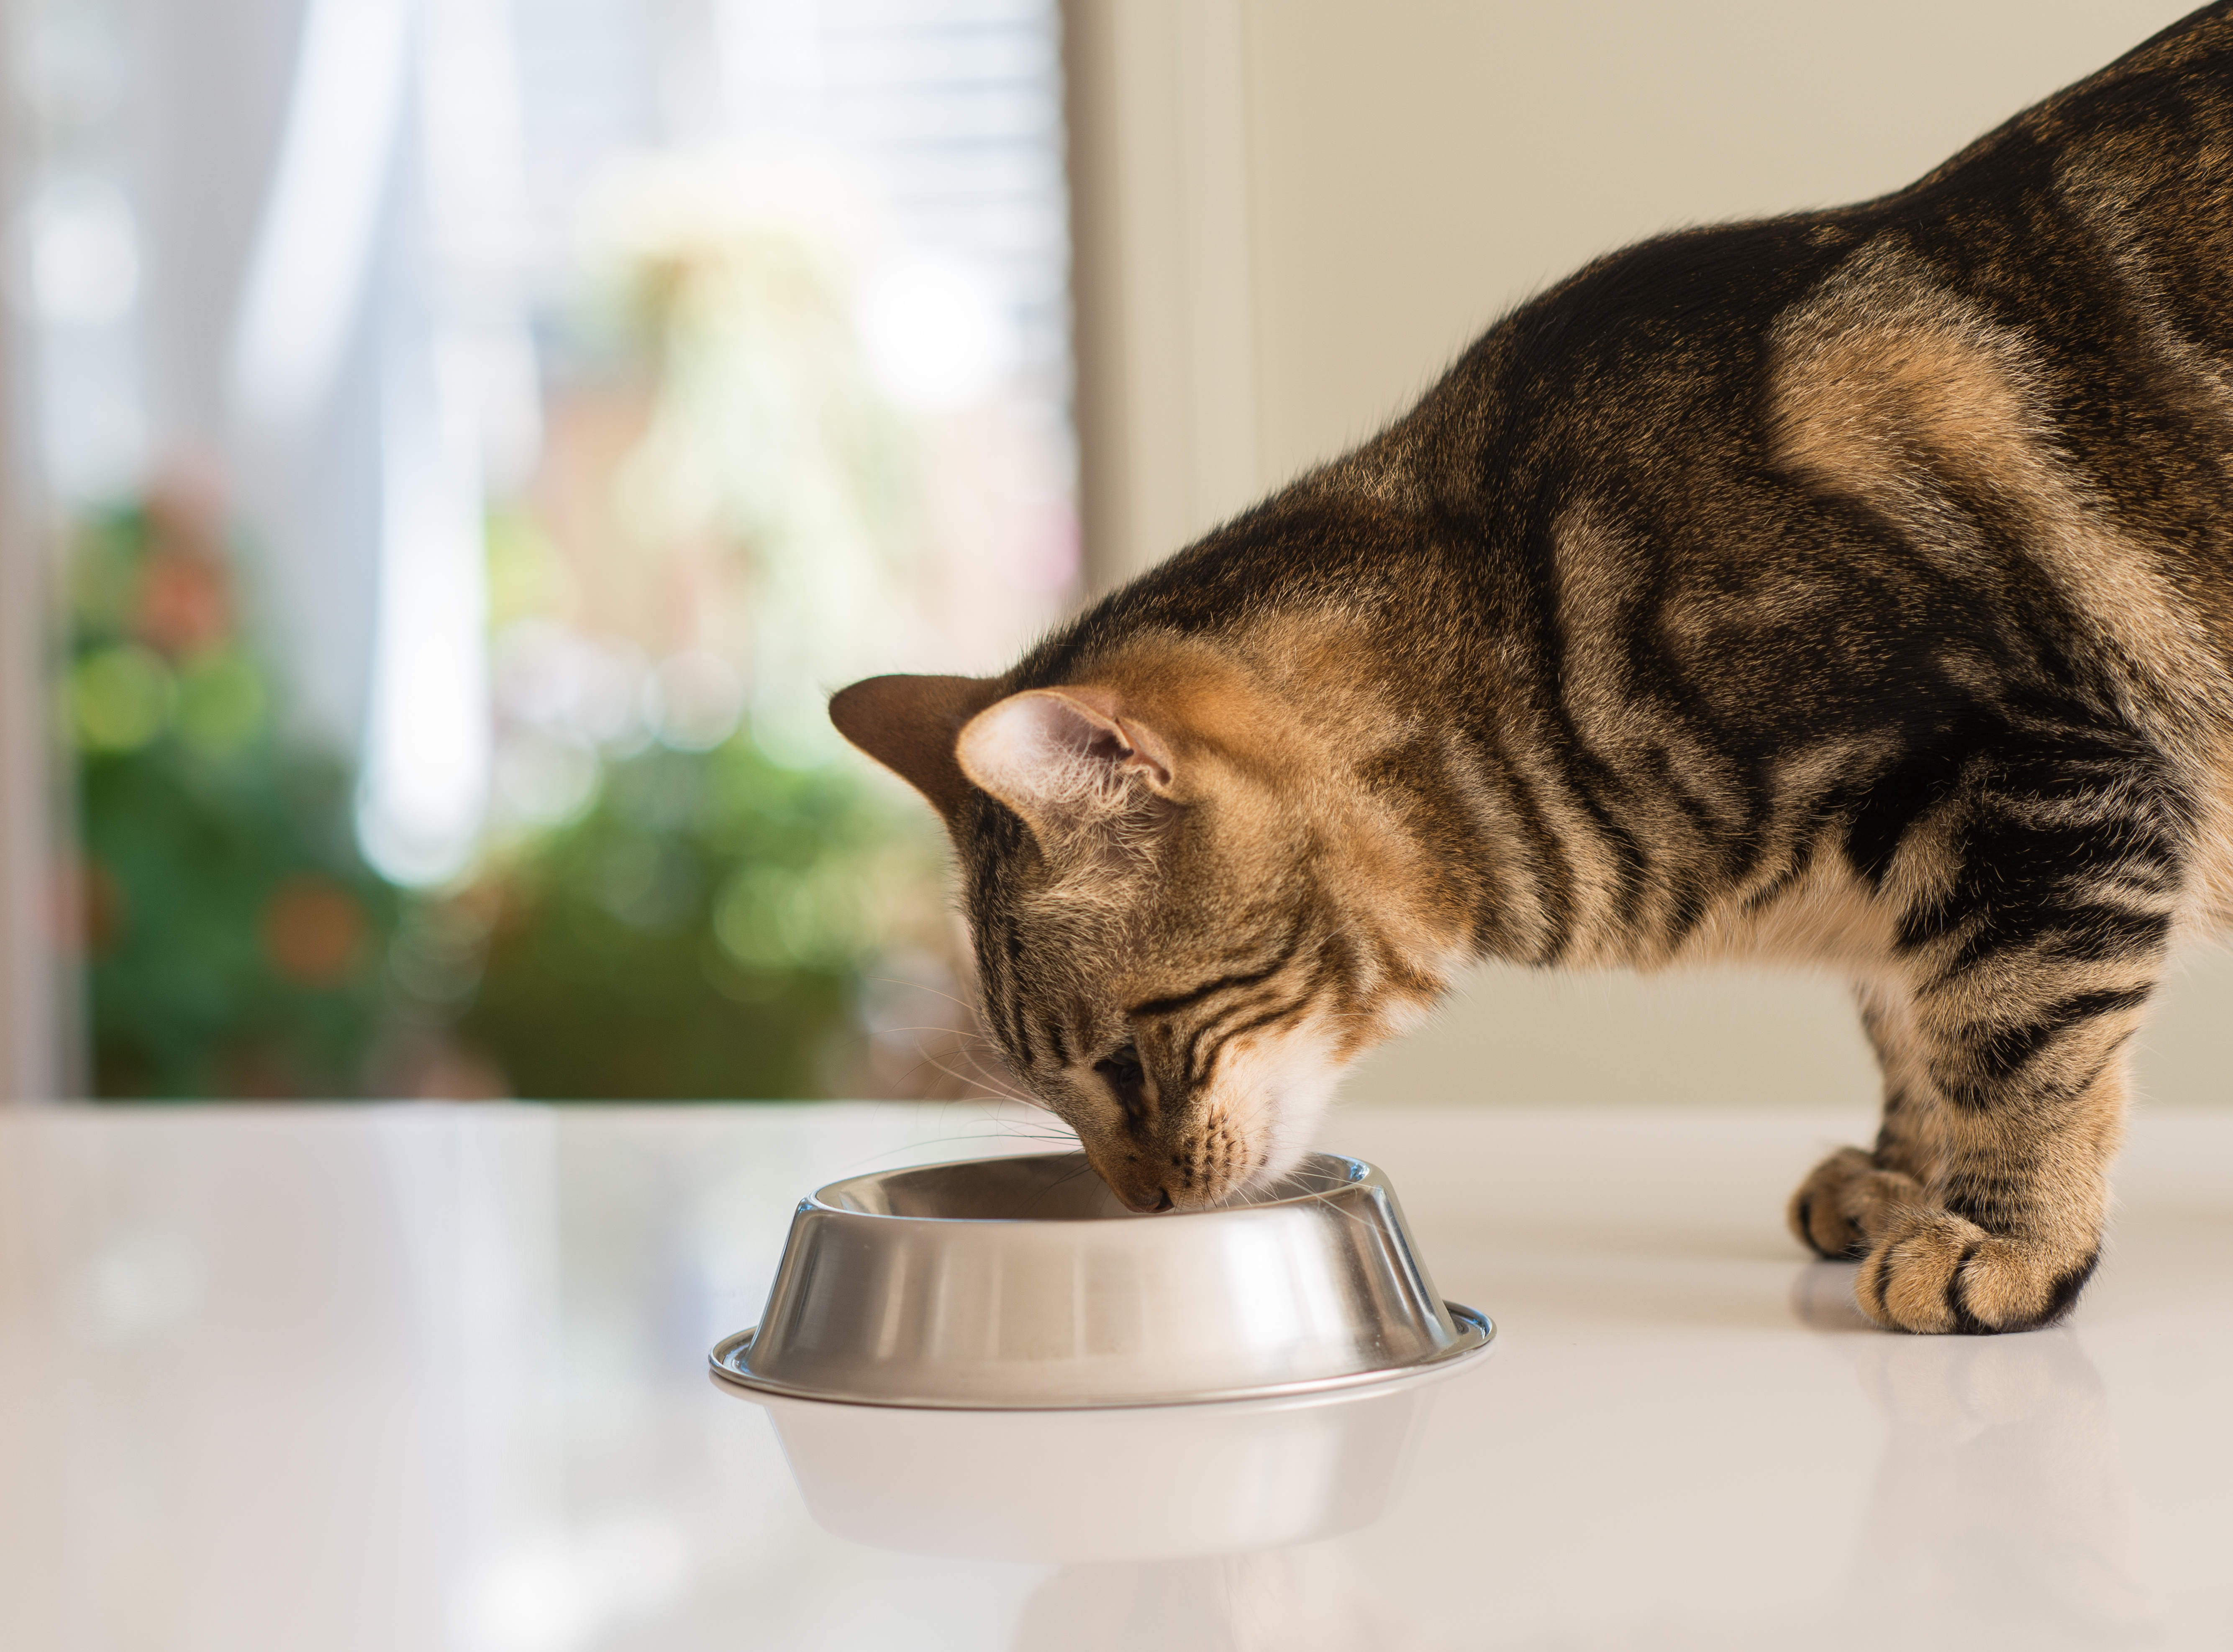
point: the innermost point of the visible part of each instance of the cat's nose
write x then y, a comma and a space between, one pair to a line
1143, 1203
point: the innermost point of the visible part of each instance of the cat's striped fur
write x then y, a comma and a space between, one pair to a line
1854, 588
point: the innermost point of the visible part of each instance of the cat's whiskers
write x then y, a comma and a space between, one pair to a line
985, 1079
1018, 1092
980, 1075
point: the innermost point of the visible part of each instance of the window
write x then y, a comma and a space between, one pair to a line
478, 435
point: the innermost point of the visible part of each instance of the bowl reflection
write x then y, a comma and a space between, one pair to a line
1159, 1483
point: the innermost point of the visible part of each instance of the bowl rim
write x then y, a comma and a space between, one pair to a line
1363, 1173
729, 1362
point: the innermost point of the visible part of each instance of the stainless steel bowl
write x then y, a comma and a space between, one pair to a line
1022, 1282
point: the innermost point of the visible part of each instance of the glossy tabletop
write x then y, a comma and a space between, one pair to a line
434, 1378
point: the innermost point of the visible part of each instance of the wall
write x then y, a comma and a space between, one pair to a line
34, 992
31, 989
1406, 169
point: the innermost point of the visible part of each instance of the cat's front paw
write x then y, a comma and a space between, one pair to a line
1931, 1271
1845, 1201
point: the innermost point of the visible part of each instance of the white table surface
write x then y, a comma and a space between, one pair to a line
404, 1378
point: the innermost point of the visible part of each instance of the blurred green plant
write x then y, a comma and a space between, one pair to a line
689, 889
231, 934
700, 933
696, 900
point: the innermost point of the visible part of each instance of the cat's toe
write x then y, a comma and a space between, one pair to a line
1934, 1272
1844, 1200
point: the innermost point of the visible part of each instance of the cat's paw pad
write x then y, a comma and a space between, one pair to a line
1932, 1271
1845, 1201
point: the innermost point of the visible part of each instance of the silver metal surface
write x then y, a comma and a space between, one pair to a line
1022, 1282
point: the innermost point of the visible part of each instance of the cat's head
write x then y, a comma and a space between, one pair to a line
1184, 925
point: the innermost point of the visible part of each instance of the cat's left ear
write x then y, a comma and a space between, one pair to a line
910, 725
1068, 760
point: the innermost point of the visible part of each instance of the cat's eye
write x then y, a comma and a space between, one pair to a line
1127, 1079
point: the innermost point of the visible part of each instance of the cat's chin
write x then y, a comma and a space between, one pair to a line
1272, 1098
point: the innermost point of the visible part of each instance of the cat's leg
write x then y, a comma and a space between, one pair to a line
2034, 909
1853, 1194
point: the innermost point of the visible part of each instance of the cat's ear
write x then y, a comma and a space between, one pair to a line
1068, 760
911, 726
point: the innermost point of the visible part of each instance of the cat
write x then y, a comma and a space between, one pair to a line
1853, 589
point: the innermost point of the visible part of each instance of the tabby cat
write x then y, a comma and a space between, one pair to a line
1853, 588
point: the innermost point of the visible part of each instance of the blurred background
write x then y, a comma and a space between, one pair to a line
466, 442
459, 444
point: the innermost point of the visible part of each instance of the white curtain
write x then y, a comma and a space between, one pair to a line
328, 196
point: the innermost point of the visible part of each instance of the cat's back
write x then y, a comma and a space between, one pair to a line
2025, 361
2022, 363
2122, 182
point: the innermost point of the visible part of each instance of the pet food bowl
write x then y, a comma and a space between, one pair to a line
1022, 1284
